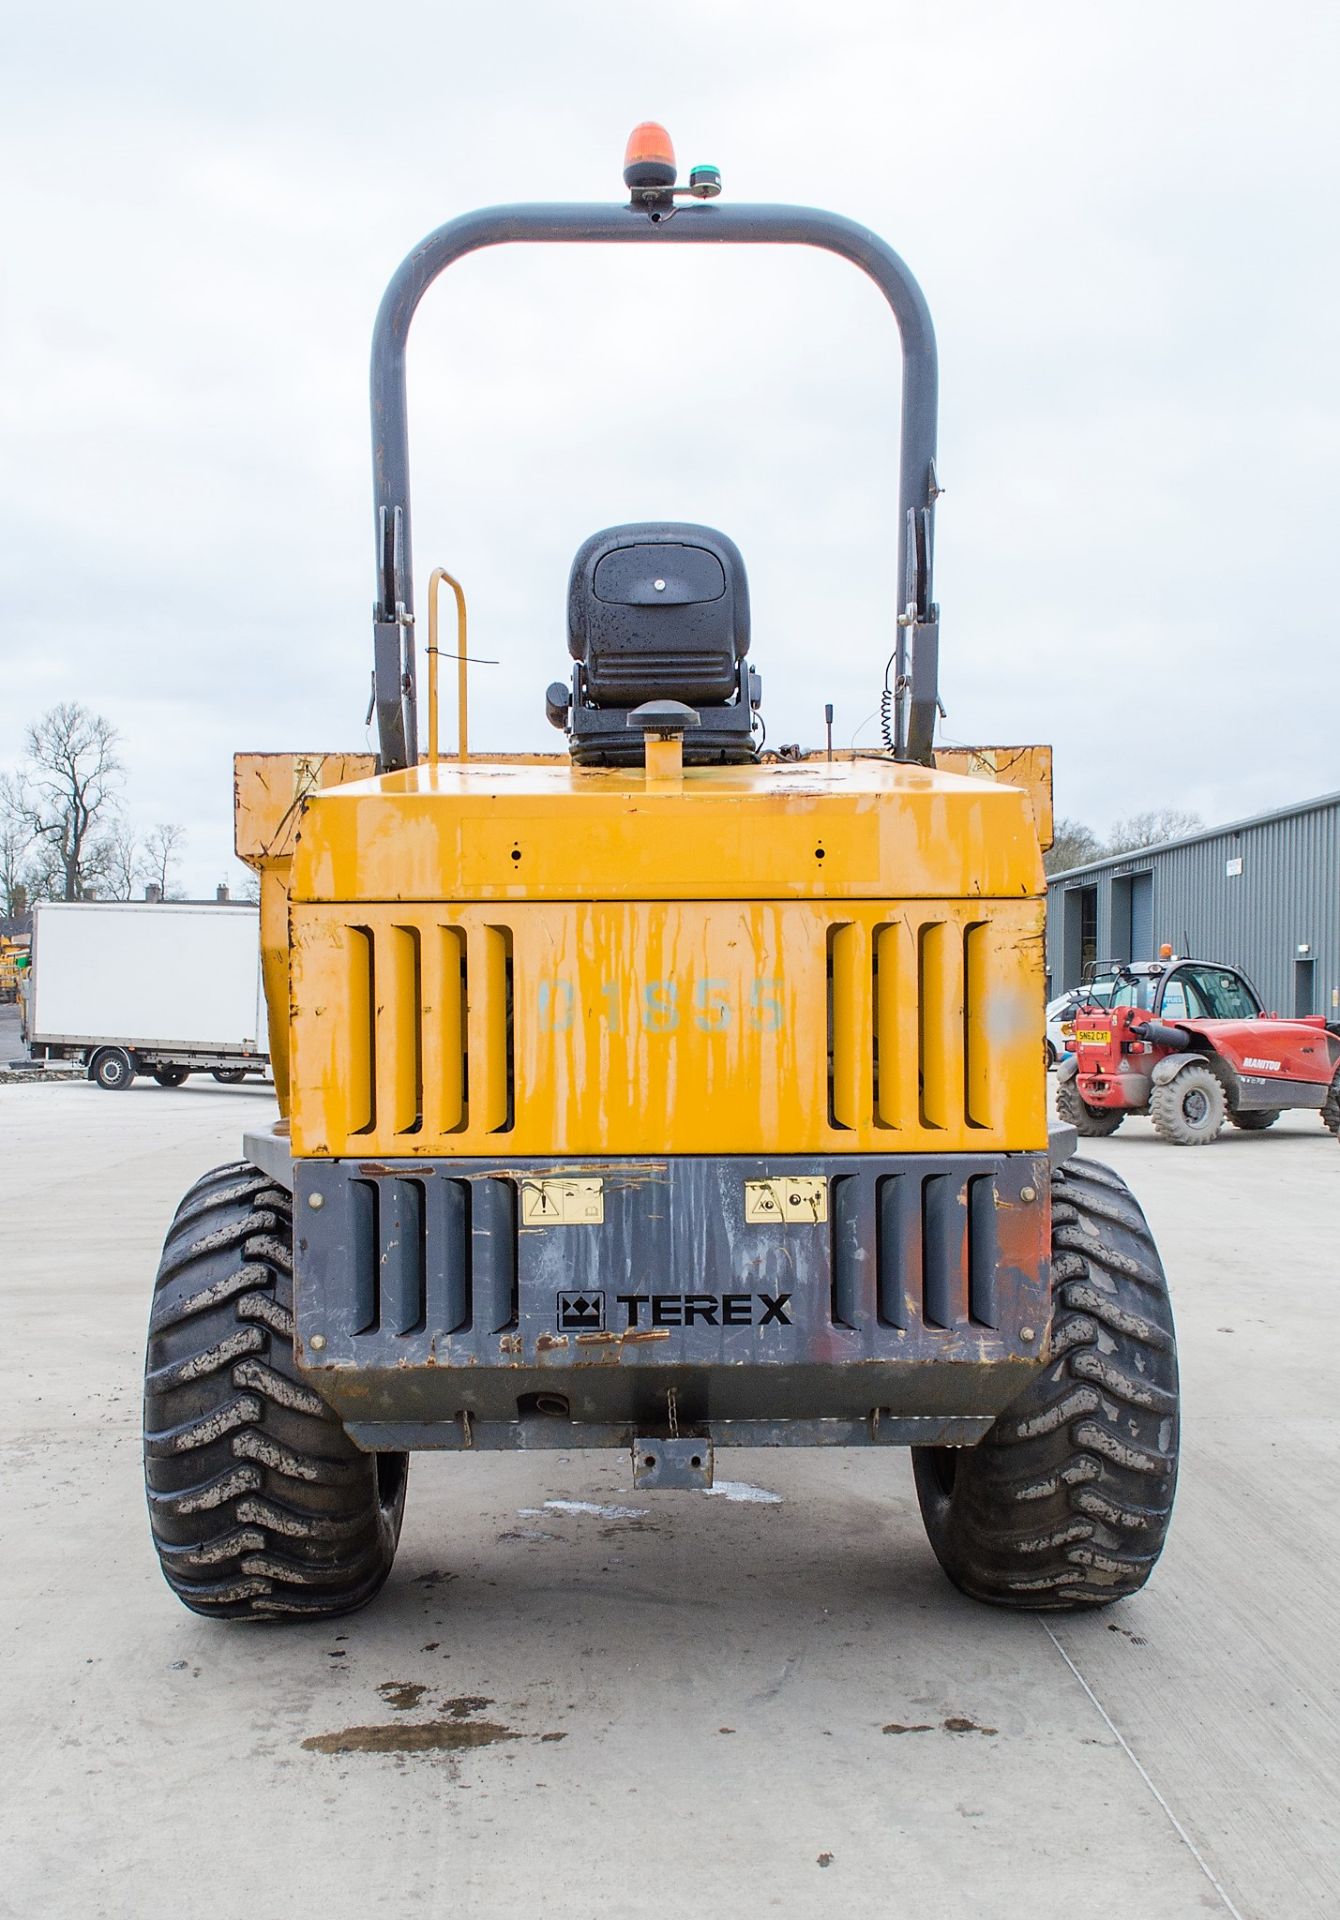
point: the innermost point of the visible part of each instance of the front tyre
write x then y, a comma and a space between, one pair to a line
1066, 1501
1091, 1123
259, 1503
113, 1069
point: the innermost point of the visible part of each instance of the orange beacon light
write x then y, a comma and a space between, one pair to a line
649, 158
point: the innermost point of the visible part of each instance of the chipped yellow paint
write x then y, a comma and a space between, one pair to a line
809, 830
651, 1027
1029, 768
514, 956
269, 792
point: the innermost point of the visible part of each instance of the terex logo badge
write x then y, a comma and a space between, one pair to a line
704, 1309
585, 1312
581, 1312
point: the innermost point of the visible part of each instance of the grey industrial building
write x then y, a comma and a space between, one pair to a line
1262, 894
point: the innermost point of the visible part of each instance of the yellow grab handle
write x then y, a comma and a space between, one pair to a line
440, 574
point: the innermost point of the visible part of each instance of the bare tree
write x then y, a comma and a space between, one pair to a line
1151, 829
115, 865
1073, 845
161, 857
71, 784
16, 839
44, 877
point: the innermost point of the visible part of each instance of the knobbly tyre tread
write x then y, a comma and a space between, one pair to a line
1066, 1501
1165, 1107
260, 1505
1091, 1123
1255, 1120
1330, 1106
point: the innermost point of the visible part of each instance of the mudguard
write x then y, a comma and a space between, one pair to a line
1174, 1063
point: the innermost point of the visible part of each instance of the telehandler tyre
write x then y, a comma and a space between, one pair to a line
260, 1504
1256, 1121
1330, 1107
1066, 1501
1190, 1110
1091, 1123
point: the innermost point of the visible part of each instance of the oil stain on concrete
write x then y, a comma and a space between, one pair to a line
454, 1731
955, 1724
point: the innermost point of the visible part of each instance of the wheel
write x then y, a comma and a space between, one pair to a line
113, 1069
259, 1503
1049, 1052
1255, 1121
1330, 1107
1190, 1109
1092, 1123
229, 1076
1066, 1501
171, 1076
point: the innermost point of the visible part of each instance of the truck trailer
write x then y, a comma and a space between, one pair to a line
141, 987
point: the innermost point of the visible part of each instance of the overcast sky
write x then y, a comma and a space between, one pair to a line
1124, 218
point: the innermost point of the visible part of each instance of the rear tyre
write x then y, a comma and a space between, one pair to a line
171, 1076
1092, 1123
259, 1503
1066, 1501
229, 1076
113, 1069
1190, 1109
1256, 1121
1330, 1107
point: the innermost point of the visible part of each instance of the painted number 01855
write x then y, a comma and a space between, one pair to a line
664, 1006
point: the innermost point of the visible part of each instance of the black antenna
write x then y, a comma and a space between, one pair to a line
828, 723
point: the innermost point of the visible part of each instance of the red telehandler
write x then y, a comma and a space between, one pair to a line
1189, 1043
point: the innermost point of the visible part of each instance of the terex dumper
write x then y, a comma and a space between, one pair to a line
657, 1094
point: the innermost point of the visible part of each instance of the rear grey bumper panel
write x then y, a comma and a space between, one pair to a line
752, 1290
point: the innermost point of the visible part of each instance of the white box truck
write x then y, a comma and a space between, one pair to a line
160, 989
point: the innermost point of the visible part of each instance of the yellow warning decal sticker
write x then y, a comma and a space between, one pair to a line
562, 1203
797, 1199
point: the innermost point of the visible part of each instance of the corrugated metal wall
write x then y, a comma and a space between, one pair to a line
1285, 896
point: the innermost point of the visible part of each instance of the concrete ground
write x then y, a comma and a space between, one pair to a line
666, 1704
11, 1036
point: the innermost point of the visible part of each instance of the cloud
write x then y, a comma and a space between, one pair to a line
1115, 216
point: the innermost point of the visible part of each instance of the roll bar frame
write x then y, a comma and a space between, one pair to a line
654, 223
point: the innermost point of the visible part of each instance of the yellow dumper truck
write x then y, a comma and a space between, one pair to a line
660, 1093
